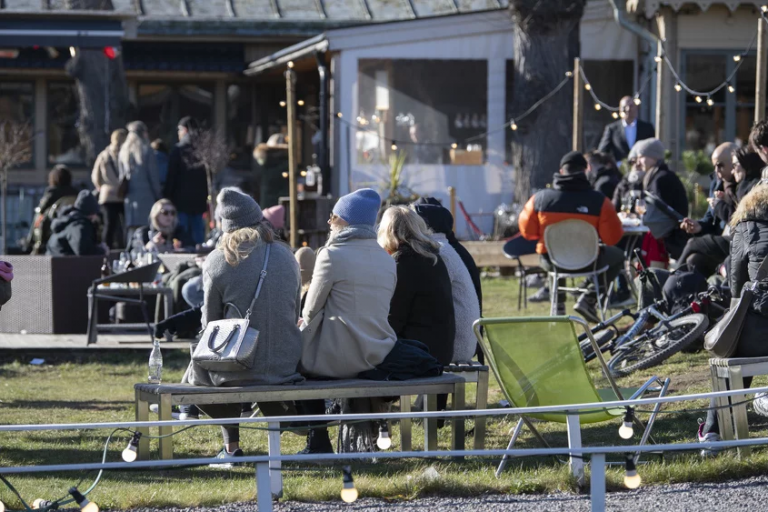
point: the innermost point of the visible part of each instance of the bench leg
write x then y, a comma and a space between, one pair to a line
430, 424
481, 402
164, 414
275, 466
142, 414
457, 430
405, 425
574, 442
263, 492
724, 418
740, 422
93, 305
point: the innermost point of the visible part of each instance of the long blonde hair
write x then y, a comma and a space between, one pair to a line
239, 244
400, 225
154, 213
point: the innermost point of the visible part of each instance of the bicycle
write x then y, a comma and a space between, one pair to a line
640, 348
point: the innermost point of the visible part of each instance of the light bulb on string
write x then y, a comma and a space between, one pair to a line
698, 99
282, 104
597, 106
513, 126
736, 58
637, 101
626, 431
300, 103
290, 64
631, 479
710, 101
678, 87
731, 89
348, 491
72, 52
615, 115
131, 451
339, 115
84, 503
394, 147
764, 8
588, 87
569, 74
657, 59
454, 146
384, 442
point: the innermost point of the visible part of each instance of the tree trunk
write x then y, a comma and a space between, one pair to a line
101, 89
546, 39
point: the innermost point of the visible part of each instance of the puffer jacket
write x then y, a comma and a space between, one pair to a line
749, 245
73, 234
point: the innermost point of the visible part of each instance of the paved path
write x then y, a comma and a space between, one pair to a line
740, 495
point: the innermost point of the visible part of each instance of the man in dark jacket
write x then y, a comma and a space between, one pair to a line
620, 136
602, 173
74, 232
710, 224
572, 197
187, 184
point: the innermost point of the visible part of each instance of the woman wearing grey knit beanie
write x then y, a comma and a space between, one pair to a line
230, 277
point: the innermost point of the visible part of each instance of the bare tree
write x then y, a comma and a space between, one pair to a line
546, 38
209, 149
101, 88
15, 149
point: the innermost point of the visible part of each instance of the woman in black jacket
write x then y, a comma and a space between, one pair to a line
421, 308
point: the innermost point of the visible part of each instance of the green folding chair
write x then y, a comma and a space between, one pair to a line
538, 362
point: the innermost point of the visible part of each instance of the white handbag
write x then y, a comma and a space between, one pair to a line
229, 345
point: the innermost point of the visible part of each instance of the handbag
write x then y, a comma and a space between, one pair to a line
229, 345
723, 339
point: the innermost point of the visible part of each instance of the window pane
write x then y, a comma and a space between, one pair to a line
745, 118
63, 120
423, 106
745, 81
162, 105
240, 128
704, 127
17, 105
705, 72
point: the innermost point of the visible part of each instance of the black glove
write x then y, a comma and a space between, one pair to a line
186, 321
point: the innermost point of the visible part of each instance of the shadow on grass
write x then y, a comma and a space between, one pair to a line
173, 359
69, 404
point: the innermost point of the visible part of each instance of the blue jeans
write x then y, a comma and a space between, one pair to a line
192, 291
193, 226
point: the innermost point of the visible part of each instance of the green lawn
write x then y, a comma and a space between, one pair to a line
98, 386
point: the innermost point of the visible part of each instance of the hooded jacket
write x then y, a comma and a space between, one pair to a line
749, 245
571, 197
73, 234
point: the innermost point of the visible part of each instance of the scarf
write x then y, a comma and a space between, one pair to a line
354, 232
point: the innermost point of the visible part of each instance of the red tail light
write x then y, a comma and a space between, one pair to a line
696, 307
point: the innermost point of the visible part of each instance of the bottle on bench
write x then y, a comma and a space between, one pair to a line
155, 364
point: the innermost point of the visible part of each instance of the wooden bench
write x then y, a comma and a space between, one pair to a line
729, 374
167, 395
472, 371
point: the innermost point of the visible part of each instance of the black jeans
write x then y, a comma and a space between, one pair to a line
610, 256
704, 253
113, 225
231, 433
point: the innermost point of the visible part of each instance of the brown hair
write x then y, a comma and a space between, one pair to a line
60, 176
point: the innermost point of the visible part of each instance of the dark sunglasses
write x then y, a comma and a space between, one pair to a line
170, 213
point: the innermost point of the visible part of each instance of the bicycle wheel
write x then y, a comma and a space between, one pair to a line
603, 339
654, 346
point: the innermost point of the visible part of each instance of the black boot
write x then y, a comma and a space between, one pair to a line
317, 442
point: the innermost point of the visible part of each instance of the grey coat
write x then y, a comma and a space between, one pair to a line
275, 314
138, 163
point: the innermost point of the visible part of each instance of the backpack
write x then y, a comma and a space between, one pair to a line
681, 287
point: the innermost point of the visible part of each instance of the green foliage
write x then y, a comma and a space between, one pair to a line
395, 187
697, 162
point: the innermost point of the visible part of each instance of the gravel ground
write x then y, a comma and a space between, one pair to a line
748, 495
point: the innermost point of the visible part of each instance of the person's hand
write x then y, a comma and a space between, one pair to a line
712, 201
177, 245
690, 226
158, 239
719, 194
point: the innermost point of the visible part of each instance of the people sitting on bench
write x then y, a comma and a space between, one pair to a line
230, 276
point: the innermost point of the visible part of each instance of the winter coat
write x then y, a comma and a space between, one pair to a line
725, 207
465, 304
571, 197
346, 312
138, 164
273, 184
749, 242
422, 306
665, 185
614, 139
605, 180
186, 184
106, 176
73, 234
53, 194
275, 314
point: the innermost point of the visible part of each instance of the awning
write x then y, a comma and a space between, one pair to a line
78, 33
304, 49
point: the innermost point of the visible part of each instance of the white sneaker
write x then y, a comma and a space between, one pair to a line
709, 437
153, 408
760, 404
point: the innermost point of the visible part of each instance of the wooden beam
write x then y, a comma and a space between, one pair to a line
290, 99
762, 71
578, 106
659, 90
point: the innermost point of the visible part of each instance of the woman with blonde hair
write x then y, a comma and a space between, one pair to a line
106, 178
164, 233
230, 277
421, 308
138, 166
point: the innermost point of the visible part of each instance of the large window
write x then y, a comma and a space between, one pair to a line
162, 105
240, 125
422, 108
63, 120
705, 126
17, 105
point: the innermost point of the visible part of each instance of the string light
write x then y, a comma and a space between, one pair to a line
394, 147
698, 99
657, 58
597, 106
588, 86
73, 54
764, 8
348, 491
569, 74
678, 87
339, 115
454, 146
615, 115
282, 104
731, 89
710, 101
384, 442
300, 103
131, 451
637, 100
290, 64
513, 125
83, 502
626, 431
631, 479
736, 58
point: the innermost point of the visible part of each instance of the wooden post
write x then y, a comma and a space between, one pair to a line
290, 99
659, 90
578, 106
452, 196
762, 71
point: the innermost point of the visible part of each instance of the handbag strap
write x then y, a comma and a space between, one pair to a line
262, 276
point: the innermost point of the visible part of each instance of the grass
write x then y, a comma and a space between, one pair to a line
97, 387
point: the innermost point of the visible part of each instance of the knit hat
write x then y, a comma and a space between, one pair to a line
361, 207
306, 259
86, 203
276, 216
574, 159
238, 210
652, 148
